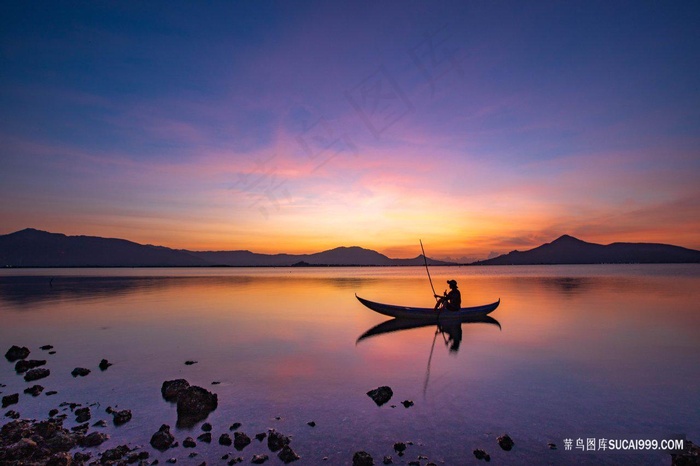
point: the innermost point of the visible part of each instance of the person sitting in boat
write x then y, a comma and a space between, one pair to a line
451, 301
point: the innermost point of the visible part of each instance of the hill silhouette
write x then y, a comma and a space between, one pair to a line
569, 250
36, 248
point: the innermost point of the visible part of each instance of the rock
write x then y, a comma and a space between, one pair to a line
311, 423
46, 347
206, 427
53, 412
407, 403
259, 459
189, 363
100, 423
194, 404
399, 447
104, 364
172, 388
287, 455
225, 439
93, 439
10, 400
115, 454
240, 440
82, 414
189, 443
171, 460
505, 442
81, 428
362, 458
34, 390
162, 439
81, 457
15, 353
261, 436
275, 440
121, 417
236, 460
80, 371
689, 456
23, 365
36, 374
380, 395
12, 414
51, 392
414, 463
205, 437
552, 446
481, 455
235, 426
387, 460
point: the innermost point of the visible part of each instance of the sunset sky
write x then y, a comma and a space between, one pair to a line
299, 126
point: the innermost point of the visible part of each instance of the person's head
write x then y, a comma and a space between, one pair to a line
452, 283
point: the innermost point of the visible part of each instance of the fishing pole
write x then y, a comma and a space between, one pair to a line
425, 260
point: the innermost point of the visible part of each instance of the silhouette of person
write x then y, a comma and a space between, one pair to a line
451, 301
454, 334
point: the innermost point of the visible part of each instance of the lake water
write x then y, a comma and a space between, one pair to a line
582, 352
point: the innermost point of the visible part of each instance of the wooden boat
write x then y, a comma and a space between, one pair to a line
428, 313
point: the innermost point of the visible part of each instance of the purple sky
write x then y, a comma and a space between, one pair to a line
299, 126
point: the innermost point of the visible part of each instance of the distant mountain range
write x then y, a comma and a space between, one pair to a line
569, 250
36, 248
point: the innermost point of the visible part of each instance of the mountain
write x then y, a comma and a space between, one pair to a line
35, 248
569, 250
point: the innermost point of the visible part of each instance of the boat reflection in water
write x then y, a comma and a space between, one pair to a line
449, 328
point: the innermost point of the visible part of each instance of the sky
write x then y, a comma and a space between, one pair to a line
298, 126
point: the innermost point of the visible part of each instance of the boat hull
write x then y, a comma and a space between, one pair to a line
426, 313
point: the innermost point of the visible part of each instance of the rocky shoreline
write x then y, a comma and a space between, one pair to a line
49, 442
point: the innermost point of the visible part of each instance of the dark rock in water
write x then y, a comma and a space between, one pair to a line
120, 417
216, 382
225, 439
100, 423
552, 446
381, 395
80, 371
93, 439
689, 456
81, 457
189, 363
36, 374
414, 463
240, 440
171, 460
194, 404
407, 403
10, 400
172, 388
481, 455
46, 347
82, 414
12, 414
287, 455
205, 437
311, 423
82, 428
53, 412
362, 458
115, 454
206, 427
399, 447
259, 459
104, 364
34, 390
275, 440
51, 393
235, 426
15, 353
23, 365
52, 352
505, 442
261, 436
388, 460
162, 439
189, 443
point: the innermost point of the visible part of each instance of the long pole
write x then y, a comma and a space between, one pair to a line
425, 260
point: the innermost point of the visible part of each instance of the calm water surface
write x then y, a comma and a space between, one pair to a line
604, 352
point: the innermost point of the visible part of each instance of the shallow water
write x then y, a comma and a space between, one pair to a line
603, 352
